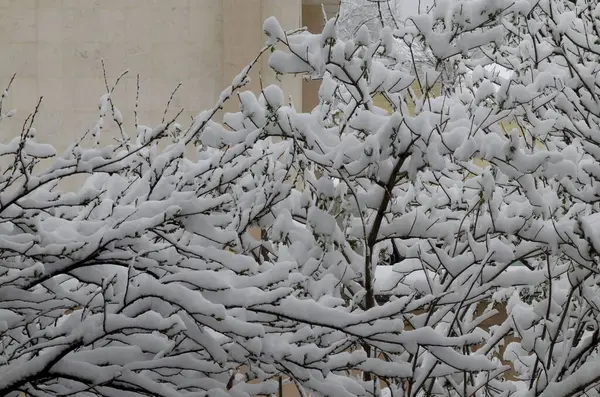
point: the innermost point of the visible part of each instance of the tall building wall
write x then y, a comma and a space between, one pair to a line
56, 47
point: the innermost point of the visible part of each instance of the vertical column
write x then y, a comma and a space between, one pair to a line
312, 18
289, 15
243, 37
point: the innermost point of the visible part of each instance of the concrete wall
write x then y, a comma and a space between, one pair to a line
56, 46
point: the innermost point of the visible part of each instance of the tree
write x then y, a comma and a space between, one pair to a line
145, 281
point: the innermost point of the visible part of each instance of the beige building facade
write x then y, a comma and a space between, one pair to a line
56, 48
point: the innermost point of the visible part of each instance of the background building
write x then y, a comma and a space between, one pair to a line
56, 48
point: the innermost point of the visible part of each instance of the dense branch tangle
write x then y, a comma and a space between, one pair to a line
440, 211
145, 280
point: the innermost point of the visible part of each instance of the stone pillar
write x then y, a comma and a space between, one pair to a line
289, 15
243, 38
312, 18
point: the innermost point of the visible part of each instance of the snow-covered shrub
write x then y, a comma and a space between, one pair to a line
145, 280
135, 283
500, 170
